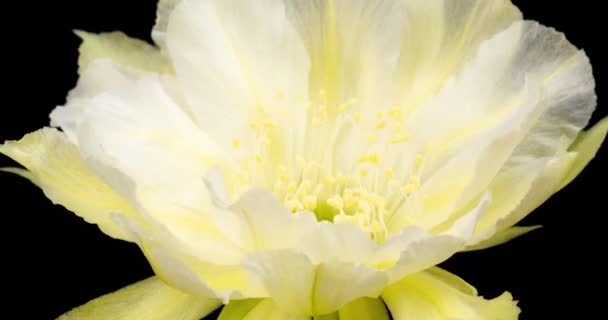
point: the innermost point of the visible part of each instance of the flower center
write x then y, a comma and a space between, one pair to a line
346, 166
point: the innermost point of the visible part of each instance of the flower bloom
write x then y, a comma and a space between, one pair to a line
315, 158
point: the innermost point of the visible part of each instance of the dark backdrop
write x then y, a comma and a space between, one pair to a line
53, 261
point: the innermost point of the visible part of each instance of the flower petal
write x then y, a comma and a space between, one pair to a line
55, 165
163, 13
270, 224
149, 299
268, 310
100, 75
426, 295
364, 309
302, 288
238, 309
586, 146
441, 37
208, 267
501, 237
237, 62
121, 49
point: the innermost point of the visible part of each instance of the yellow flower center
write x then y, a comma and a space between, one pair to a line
309, 176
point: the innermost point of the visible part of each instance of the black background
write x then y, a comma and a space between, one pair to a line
53, 261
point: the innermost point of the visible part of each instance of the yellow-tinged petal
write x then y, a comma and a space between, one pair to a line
121, 49
586, 146
164, 8
238, 309
501, 237
302, 288
55, 165
268, 310
150, 299
364, 309
433, 296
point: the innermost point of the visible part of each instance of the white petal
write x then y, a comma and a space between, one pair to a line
269, 224
101, 75
150, 299
440, 37
55, 165
302, 288
234, 60
163, 13
121, 49
437, 296
193, 270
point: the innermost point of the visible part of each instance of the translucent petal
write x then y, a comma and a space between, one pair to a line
442, 36
586, 146
149, 299
55, 165
100, 75
121, 49
364, 309
268, 310
208, 266
501, 237
237, 310
302, 288
237, 62
163, 13
426, 295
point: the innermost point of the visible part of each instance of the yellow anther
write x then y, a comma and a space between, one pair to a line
388, 172
408, 188
369, 158
372, 138
415, 181
280, 94
395, 113
357, 116
363, 172
259, 159
236, 143
336, 202
295, 205
400, 138
304, 187
269, 123
310, 202
323, 109
419, 160
381, 124
380, 115
344, 106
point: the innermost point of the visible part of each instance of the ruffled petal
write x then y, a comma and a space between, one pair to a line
149, 299
432, 295
441, 37
55, 165
164, 8
121, 49
237, 63
585, 147
501, 237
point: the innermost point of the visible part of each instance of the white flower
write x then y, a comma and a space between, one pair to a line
316, 154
